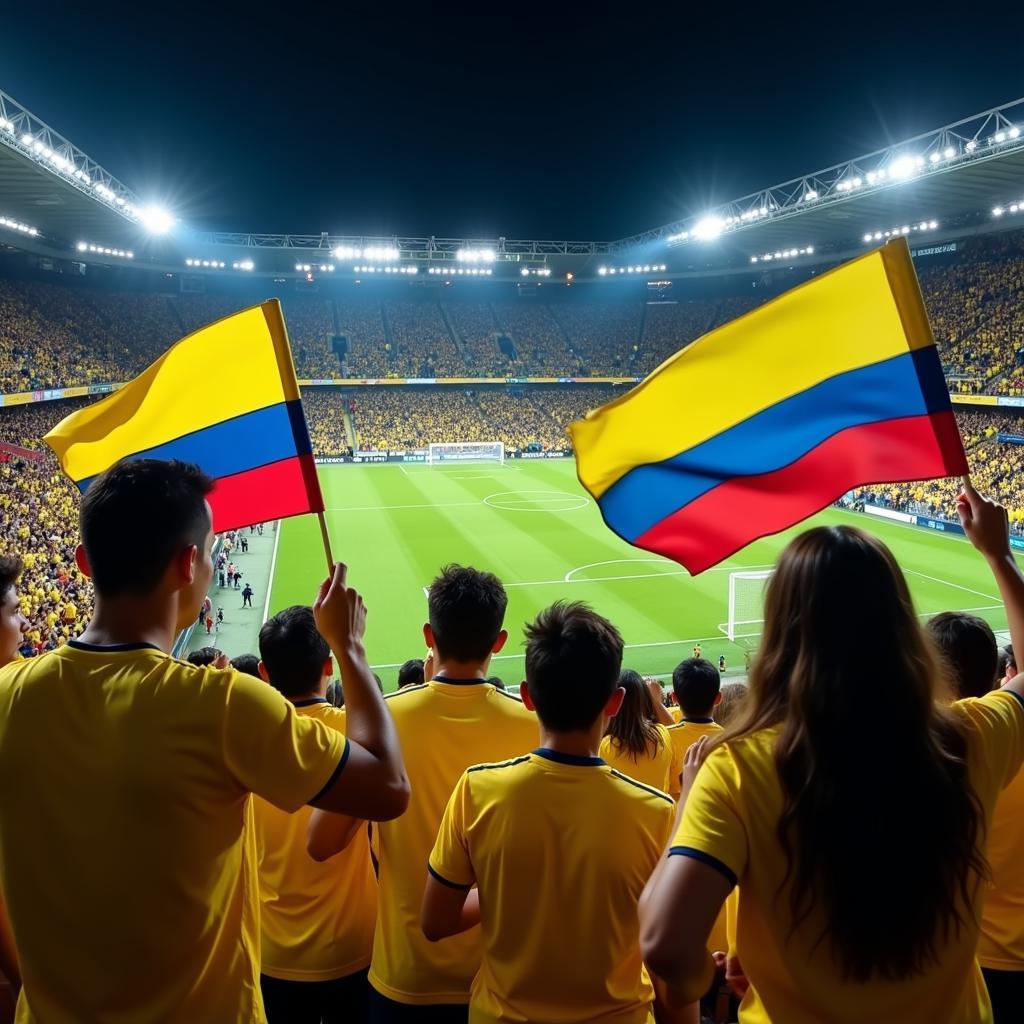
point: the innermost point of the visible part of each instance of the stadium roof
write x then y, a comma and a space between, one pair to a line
962, 168
934, 182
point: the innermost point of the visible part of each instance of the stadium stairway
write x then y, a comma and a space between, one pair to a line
457, 340
239, 632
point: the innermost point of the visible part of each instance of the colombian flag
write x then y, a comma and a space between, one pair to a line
770, 418
224, 398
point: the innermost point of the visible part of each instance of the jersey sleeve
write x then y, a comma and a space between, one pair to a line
449, 861
287, 759
712, 829
998, 722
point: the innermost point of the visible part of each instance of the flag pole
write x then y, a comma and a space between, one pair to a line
327, 542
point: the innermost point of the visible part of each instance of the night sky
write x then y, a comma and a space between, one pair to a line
545, 121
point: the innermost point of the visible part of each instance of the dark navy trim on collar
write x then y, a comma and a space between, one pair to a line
697, 721
574, 759
80, 645
458, 682
310, 702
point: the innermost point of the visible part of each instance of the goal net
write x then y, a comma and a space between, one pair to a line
466, 451
746, 604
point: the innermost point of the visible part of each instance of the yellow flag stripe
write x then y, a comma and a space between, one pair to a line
844, 320
229, 368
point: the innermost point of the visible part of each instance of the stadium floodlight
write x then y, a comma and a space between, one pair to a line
1014, 132
602, 271
935, 157
155, 219
384, 253
347, 252
810, 195
997, 211
243, 265
999, 136
708, 228
971, 146
902, 167
475, 255
681, 236
949, 152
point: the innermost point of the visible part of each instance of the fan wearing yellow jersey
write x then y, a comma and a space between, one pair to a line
635, 743
794, 804
556, 898
454, 720
126, 849
316, 919
697, 686
969, 647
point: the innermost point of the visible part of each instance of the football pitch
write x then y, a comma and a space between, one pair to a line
531, 523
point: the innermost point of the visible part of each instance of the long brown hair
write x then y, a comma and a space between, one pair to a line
880, 827
633, 730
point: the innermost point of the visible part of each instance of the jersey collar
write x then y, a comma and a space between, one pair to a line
697, 721
458, 682
80, 645
574, 759
311, 701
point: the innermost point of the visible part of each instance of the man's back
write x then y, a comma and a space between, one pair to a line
126, 850
444, 727
561, 848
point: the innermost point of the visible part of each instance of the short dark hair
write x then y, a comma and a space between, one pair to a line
969, 648
203, 656
573, 659
1010, 659
293, 651
247, 663
335, 695
411, 673
696, 683
467, 608
10, 569
497, 683
137, 516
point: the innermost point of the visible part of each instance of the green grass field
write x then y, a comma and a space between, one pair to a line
532, 525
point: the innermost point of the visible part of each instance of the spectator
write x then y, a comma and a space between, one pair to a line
139, 730
538, 824
635, 743
411, 673
824, 806
316, 919
454, 721
247, 663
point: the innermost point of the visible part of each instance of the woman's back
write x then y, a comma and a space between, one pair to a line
651, 768
732, 816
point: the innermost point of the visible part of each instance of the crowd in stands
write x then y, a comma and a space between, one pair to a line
58, 335
39, 520
588, 849
423, 345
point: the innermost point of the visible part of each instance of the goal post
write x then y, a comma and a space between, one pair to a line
466, 451
746, 604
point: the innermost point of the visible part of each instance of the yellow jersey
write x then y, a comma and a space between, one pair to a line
127, 854
316, 920
558, 894
682, 736
444, 727
652, 769
1001, 945
730, 821
676, 713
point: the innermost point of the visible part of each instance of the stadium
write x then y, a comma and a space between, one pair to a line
438, 378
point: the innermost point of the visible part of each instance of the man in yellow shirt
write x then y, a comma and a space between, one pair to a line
316, 920
556, 899
127, 856
969, 648
697, 685
455, 720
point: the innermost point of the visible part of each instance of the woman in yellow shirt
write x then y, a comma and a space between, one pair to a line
856, 839
635, 743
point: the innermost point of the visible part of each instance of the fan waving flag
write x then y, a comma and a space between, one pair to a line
224, 398
770, 418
